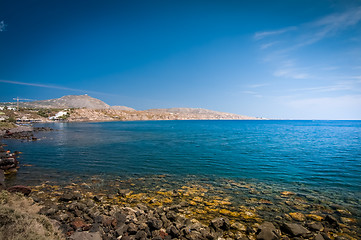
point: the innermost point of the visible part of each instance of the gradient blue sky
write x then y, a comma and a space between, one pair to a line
274, 59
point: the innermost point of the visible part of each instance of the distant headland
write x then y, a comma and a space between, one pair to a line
83, 108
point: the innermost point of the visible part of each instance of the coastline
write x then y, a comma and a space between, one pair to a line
196, 211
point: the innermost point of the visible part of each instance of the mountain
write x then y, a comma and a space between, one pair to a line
87, 108
69, 101
198, 113
122, 108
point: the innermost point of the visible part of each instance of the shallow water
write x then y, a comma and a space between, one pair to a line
317, 158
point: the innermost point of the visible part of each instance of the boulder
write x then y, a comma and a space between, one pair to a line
294, 229
154, 223
220, 223
173, 231
319, 237
20, 189
332, 221
66, 197
267, 231
316, 226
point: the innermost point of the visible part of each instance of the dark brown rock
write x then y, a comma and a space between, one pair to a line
173, 231
267, 231
78, 223
140, 235
316, 226
220, 223
332, 221
294, 229
20, 189
154, 223
319, 237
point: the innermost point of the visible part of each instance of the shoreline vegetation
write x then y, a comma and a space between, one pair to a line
149, 208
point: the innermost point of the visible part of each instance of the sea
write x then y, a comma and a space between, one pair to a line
316, 159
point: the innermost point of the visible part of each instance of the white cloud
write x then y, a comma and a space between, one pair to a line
312, 32
253, 93
261, 35
291, 73
268, 45
258, 85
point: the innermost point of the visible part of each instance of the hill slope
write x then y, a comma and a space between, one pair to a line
69, 101
197, 113
87, 108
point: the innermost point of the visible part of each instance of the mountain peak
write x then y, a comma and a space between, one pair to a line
70, 101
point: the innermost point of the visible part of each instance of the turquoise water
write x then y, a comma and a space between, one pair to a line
315, 153
245, 161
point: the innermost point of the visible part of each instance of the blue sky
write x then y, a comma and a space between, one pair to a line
273, 59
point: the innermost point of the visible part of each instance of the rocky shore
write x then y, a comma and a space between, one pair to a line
88, 210
22, 132
160, 207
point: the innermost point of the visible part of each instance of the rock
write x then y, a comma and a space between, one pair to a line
194, 235
332, 220
120, 217
77, 223
294, 229
344, 212
238, 226
319, 237
173, 231
315, 217
108, 221
2, 180
154, 223
348, 220
86, 236
325, 236
66, 197
267, 231
121, 229
140, 235
97, 199
132, 228
297, 216
20, 189
124, 192
315, 226
220, 223
287, 193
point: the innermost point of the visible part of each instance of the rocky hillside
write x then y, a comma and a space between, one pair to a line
86, 108
197, 113
69, 101
123, 108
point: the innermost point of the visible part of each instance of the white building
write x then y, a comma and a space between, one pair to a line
58, 115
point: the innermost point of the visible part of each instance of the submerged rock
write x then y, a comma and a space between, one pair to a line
294, 229
267, 231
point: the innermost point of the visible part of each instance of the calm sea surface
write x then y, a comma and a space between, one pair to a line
324, 156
